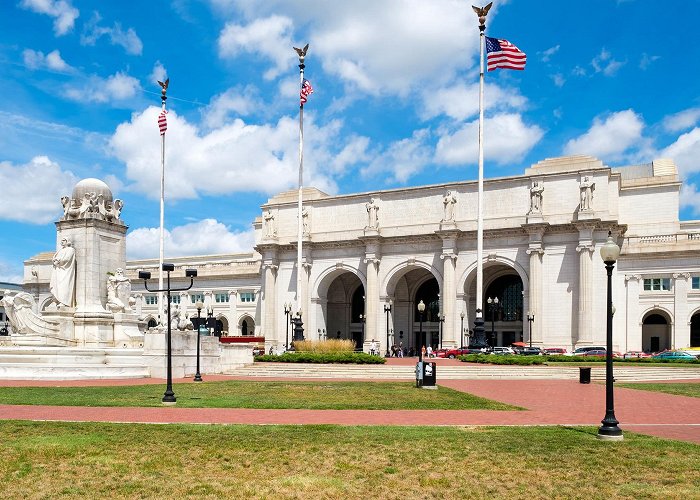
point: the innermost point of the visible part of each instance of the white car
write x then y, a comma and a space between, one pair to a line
580, 351
502, 350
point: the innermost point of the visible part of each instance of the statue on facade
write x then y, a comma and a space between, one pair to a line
587, 186
372, 215
118, 292
305, 220
62, 283
536, 197
269, 219
448, 202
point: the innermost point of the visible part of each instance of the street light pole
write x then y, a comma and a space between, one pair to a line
362, 321
464, 340
169, 396
421, 310
441, 319
387, 310
530, 319
493, 305
287, 312
609, 430
199, 306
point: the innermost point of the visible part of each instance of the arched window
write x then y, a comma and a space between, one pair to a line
655, 319
152, 323
509, 290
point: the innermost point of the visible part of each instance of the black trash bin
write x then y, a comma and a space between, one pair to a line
584, 374
429, 374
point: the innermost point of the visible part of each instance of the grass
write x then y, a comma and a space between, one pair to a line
254, 394
97, 460
691, 389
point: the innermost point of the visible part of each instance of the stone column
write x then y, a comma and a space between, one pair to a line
680, 330
232, 312
535, 251
449, 337
585, 293
268, 326
307, 317
633, 328
371, 299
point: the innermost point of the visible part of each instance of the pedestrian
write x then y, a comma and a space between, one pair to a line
423, 351
430, 351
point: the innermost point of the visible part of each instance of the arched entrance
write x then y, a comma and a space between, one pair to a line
656, 330
221, 327
247, 325
504, 318
345, 309
429, 293
695, 330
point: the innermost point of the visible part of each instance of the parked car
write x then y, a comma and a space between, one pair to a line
462, 351
531, 351
554, 351
580, 350
440, 353
502, 350
600, 353
674, 355
636, 354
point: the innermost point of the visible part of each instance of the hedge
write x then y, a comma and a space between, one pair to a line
601, 359
497, 359
494, 359
359, 358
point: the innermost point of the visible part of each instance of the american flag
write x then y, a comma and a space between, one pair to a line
306, 90
503, 54
162, 122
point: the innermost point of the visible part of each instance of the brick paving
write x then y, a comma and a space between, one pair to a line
546, 402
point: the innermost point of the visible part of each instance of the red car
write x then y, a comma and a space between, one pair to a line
636, 354
554, 350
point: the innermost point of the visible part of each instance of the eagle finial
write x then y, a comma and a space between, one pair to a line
302, 52
482, 11
164, 85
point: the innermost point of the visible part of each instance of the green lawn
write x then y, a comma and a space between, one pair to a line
97, 460
254, 394
691, 389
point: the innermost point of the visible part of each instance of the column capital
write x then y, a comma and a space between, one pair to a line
585, 247
636, 277
449, 255
681, 276
535, 250
270, 266
232, 293
372, 260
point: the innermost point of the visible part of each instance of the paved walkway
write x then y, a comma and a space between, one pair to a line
547, 402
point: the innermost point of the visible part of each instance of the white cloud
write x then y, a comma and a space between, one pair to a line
238, 100
646, 60
204, 237
547, 54
32, 192
682, 120
392, 46
233, 158
685, 152
609, 138
117, 87
270, 37
604, 63
37, 60
128, 39
11, 273
558, 79
461, 101
62, 10
506, 139
690, 197
403, 158
159, 74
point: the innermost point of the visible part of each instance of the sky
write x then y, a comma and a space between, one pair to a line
395, 104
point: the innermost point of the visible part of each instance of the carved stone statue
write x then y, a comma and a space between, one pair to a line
372, 215
536, 197
62, 284
177, 321
269, 218
118, 292
19, 310
305, 220
587, 186
449, 205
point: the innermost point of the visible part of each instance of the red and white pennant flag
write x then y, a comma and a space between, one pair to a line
162, 122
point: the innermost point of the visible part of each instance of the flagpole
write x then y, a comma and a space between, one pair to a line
302, 56
163, 98
479, 318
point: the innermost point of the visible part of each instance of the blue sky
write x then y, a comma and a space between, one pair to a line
395, 103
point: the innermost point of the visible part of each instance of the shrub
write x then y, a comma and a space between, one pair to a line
596, 359
324, 346
359, 358
492, 359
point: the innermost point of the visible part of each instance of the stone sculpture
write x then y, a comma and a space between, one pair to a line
536, 197
587, 186
372, 214
449, 206
62, 283
269, 218
118, 292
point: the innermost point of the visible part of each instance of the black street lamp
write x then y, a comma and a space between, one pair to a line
387, 310
169, 396
362, 321
493, 307
441, 319
421, 310
609, 430
287, 313
530, 319
464, 337
199, 305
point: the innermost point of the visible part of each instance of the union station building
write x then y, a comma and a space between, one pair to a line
369, 258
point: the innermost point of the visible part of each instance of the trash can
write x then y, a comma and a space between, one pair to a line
584, 374
429, 374
419, 374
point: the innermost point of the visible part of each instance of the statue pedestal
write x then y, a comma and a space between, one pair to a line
448, 225
587, 215
126, 330
94, 329
371, 231
534, 217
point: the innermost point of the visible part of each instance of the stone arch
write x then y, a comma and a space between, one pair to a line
335, 296
151, 322
694, 324
328, 275
222, 328
391, 278
657, 324
246, 325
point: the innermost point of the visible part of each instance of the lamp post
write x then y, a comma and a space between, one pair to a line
298, 327
609, 430
493, 306
530, 319
211, 320
421, 310
169, 396
441, 319
199, 305
464, 339
287, 312
362, 322
387, 310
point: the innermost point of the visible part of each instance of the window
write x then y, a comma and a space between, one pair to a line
151, 300
657, 284
194, 297
695, 284
174, 299
247, 297
221, 297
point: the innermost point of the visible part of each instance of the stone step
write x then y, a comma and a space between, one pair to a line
42, 371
